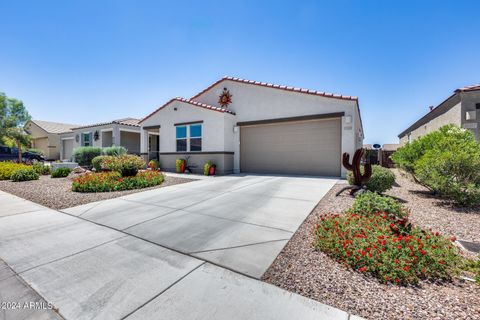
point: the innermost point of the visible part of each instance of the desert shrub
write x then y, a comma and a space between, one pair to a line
97, 163
128, 165
382, 179
114, 151
369, 203
8, 167
113, 181
41, 168
178, 165
61, 172
447, 162
373, 244
24, 175
84, 155
206, 167
153, 164
472, 266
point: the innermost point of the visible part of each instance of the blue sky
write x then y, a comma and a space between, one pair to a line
89, 61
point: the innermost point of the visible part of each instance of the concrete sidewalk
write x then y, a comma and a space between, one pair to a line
89, 271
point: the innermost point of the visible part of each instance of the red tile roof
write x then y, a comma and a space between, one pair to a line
276, 86
469, 88
193, 103
125, 121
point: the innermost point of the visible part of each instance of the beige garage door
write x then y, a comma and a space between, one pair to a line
306, 147
67, 149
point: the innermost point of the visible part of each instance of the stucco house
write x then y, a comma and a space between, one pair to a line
462, 108
255, 127
122, 132
46, 136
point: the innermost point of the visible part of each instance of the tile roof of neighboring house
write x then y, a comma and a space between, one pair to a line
443, 107
125, 121
193, 103
469, 88
276, 86
54, 127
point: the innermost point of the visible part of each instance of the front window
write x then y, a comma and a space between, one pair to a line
189, 138
196, 137
87, 139
181, 135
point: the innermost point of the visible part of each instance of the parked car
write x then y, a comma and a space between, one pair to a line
11, 154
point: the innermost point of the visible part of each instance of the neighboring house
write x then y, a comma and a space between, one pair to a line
249, 126
121, 132
461, 108
46, 136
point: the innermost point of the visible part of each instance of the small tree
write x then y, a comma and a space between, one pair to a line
13, 117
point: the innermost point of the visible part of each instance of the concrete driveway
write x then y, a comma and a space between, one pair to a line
237, 222
87, 270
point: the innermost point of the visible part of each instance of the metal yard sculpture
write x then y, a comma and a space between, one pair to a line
359, 178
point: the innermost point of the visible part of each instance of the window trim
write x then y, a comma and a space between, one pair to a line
188, 136
89, 134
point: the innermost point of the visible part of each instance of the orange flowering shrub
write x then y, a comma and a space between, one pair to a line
386, 248
113, 181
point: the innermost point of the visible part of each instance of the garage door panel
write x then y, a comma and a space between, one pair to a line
309, 147
67, 149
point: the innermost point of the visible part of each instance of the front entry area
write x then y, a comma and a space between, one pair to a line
310, 147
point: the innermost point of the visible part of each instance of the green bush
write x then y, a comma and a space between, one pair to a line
8, 167
382, 179
61, 172
24, 175
371, 202
97, 163
84, 155
113, 181
114, 151
178, 165
128, 165
473, 266
446, 161
41, 168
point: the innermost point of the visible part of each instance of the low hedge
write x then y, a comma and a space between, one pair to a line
128, 165
61, 172
382, 179
113, 181
24, 175
41, 168
114, 151
8, 167
370, 202
376, 243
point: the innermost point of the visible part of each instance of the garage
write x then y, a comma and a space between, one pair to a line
311, 147
67, 149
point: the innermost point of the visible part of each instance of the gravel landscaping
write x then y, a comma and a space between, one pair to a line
56, 193
301, 269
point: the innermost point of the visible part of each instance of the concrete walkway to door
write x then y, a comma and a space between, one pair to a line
237, 222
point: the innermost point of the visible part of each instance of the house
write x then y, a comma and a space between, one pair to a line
46, 136
122, 132
255, 127
462, 108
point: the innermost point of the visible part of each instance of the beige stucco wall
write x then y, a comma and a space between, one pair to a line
130, 133
253, 102
49, 143
224, 162
469, 104
452, 116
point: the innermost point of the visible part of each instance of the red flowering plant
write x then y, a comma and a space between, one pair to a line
113, 181
386, 247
